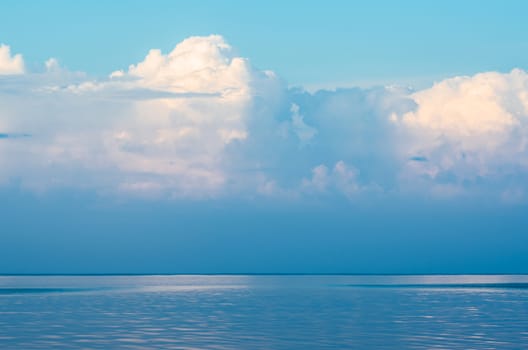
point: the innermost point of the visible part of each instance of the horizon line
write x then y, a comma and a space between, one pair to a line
265, 274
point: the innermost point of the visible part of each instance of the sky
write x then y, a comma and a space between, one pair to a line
228, 137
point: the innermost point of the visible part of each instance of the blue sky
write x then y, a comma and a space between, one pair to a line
226, 137
307, 43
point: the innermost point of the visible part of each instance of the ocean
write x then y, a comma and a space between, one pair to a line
264, 312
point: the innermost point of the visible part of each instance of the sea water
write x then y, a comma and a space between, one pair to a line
264, 312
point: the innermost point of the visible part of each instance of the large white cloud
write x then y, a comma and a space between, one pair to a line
10, 64
163, 124
466, 130
201, 121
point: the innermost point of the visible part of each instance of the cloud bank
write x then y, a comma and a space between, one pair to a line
202, 122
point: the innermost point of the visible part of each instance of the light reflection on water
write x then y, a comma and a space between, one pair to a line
264, 312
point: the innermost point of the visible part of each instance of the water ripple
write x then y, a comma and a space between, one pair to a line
263, 312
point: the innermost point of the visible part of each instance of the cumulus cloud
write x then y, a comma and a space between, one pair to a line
469, 130
205, 64
201, 121
166, 121
10, 64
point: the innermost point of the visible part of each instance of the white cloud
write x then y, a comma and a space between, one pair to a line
10, 64
167, 120
200, 121
204, 64
469, 128
467, 108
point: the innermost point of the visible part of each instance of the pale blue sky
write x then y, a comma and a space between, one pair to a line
308, 43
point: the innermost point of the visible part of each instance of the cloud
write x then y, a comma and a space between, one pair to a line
470, 130
297, 127
204, 64
342, 178
200, 121
167, 120
10, 65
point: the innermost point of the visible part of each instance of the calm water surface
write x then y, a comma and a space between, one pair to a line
264, 312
